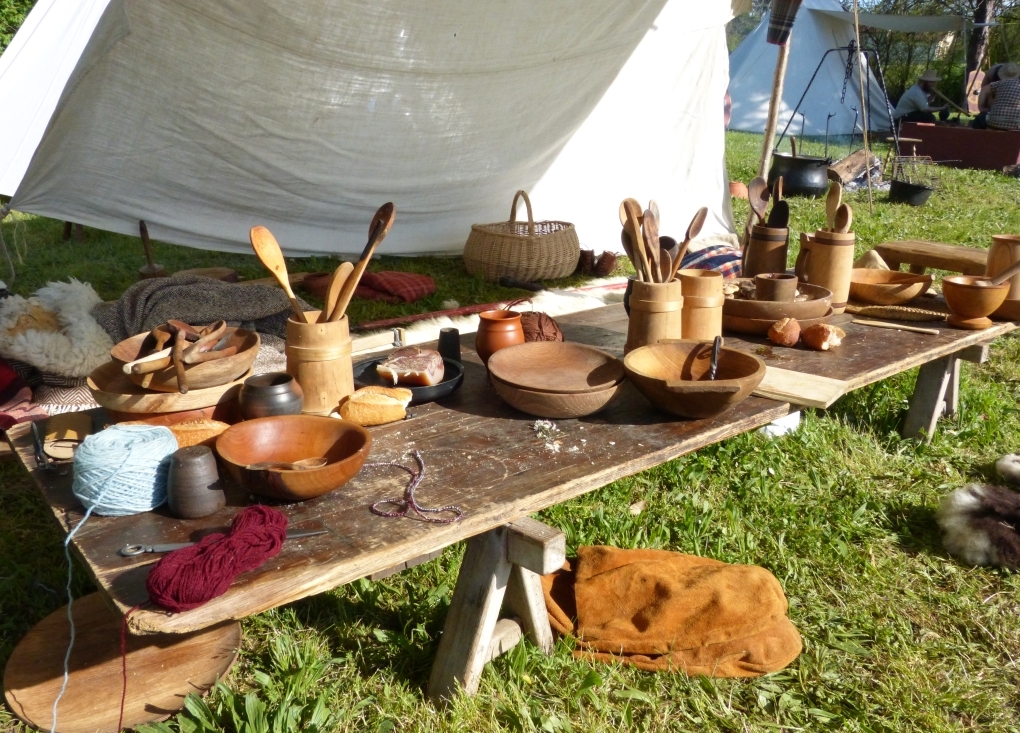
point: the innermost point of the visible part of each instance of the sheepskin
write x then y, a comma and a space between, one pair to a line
53, 331
979, 525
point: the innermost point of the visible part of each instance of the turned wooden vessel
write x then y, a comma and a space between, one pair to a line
655, 313
827, 259
1005, 250
886, 287
766, 251
701, 313
972, 299
319, 358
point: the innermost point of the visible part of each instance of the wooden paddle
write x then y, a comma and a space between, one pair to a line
271, 256
832, 201
336, 284
377, 231
693, 230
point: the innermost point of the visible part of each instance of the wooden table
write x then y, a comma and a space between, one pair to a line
481, 455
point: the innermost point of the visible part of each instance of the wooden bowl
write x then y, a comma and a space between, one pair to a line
971, 296
555, 405
200, 376
227, 412
559, 367
886, 287
290, 438
674, 377
760, 326
112, 389
817, 305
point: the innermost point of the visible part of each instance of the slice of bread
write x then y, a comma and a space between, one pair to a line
375, 405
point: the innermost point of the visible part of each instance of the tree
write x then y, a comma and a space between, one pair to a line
12, 15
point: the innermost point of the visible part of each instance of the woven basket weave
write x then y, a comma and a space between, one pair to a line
530, 251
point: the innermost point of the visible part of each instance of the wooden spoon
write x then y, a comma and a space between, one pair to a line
623, 211
832, 201
271, 256
779, 217
153, 362
693, 230
793, 146
336, 284
178, 357
150, 269
665, 266
650, 232
377, 231
758, 197
777, 190
844, 218
1006, 274
636, 237
653, 206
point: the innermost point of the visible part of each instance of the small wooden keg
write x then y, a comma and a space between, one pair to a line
701, 315
655, 313
319, 358
1005, 250
827, 259
766, 251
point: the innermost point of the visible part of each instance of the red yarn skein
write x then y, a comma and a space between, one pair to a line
189, 577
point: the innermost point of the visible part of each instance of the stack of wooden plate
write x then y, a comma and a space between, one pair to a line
757, 316
556, 379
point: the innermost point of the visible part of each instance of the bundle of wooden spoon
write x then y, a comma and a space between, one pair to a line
758, 196
656, 259
191, 345
838, 216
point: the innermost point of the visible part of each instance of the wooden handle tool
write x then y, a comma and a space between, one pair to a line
267, 249
178, 356
336, 284
380, 227
693, 230
637, 238
896, 326
650, 233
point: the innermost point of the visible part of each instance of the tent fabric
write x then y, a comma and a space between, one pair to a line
204, 119
753, 62
902, 23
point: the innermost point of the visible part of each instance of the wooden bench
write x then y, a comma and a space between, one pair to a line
919, 254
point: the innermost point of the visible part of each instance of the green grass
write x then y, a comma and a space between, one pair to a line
897, 635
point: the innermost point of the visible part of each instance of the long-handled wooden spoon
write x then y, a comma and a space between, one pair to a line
650, 232
636, 237
628, 247
758, 197
267, 249
779, 216
623, 211
150, 269
336, 284
832, 201
377, 231
1005, 274
777, 191
693, 230
844, 218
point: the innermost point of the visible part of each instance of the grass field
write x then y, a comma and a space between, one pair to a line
898, 636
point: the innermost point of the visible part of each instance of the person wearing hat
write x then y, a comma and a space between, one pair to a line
999, 102
915, 104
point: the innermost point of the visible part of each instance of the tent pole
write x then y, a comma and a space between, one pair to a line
864, 110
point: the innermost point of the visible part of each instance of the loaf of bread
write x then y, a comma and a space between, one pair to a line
375, 405
822, 336
785, 332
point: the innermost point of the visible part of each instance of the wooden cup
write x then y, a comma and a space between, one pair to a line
827, 259
778, 287
319, 358
701, 314
655, 313
766, 251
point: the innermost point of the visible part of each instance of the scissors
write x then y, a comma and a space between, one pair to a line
132, 550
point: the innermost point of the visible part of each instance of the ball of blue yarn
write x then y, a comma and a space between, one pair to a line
123, 469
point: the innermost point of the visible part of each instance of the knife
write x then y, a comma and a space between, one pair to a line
132, 550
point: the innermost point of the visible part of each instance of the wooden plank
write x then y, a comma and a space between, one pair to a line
977, 354
800, 388
949, 257
525, 599
538, 547
927, 403
401, 566
505, 637
464, 646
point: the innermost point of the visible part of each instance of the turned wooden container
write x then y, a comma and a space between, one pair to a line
1005, 250
655, 313
827, 259
319, 358
701, 314
765, 252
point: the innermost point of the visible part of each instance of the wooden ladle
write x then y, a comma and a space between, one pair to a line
758, 197
381, 224
267, 249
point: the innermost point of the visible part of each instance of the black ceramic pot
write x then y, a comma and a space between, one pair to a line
901, 192
804, 175
193, 485
269, 395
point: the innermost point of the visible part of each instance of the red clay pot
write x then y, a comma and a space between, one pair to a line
497, 330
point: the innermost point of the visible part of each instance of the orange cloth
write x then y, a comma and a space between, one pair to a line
660, 610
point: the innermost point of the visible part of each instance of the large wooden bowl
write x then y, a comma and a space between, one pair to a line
290, 438
886, 287
112, 389
674, 377
971, 296
818, 302
552, 404
560, 367
200, 376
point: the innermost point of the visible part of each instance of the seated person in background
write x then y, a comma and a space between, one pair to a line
915, 104
999, 102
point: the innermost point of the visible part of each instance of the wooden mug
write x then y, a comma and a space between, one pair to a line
827, 259
655, 313
319, 358
778, 287
701, 314
765, 251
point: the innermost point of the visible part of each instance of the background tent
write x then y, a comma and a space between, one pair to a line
305, 115
820, 25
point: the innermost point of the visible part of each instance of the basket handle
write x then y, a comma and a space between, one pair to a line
513, 211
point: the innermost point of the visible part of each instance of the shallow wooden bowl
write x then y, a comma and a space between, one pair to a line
560, 367
818, 303
760, 326
290, 438
112, 389
886, 287
971, 296
674, 377
200, 376
552, 404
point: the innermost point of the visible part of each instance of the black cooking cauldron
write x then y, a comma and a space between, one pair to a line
804, 175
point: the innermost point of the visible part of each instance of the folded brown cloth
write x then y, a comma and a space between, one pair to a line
660, 610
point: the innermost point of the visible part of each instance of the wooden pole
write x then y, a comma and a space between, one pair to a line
864, 110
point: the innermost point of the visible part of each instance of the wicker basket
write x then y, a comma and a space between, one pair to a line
542, 250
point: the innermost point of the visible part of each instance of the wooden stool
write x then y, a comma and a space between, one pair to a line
919, 254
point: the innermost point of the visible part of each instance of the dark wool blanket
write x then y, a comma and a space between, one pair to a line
197, 301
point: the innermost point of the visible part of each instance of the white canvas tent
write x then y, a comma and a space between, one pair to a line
305, 115
820, 25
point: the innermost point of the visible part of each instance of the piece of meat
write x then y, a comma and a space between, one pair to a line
411, 365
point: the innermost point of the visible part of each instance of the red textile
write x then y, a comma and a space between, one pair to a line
15, 399
395, 287
189, 577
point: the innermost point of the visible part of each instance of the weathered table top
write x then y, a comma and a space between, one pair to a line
480, 454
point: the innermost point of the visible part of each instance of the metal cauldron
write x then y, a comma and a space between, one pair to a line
804, 175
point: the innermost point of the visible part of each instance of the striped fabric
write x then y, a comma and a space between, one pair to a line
719, 257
